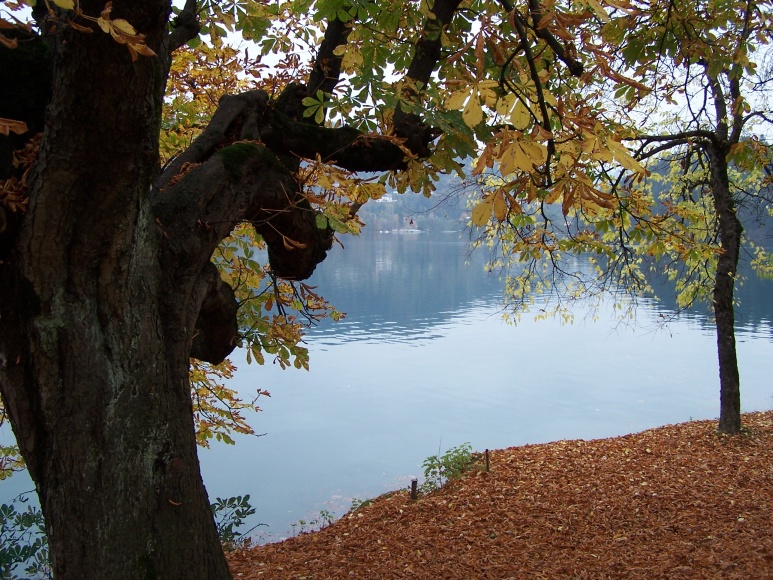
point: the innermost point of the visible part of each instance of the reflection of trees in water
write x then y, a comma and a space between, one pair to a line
754, 310
409, 279
412, 281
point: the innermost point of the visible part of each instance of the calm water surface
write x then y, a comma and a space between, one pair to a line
423, 362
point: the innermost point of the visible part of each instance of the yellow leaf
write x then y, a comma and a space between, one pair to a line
536, 152
542, 133
623, 156
568, 200
507, 161
588, 142
473, 112
66, 4
142, 49
484, 161
554, 194
374, 190
550, 99
601, 153
481, 212
324, 180
120, 39
351, 60
504, 104
500, 206
521, 158
124, 26
487, 91
489, 96
520, 117
457, 99
599, 10
104, 25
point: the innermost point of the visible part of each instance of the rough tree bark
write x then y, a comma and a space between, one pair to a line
106, 286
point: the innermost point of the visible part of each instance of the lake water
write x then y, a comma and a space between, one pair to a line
423, 362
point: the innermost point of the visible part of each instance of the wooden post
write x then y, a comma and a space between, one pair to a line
414, 488
488, 466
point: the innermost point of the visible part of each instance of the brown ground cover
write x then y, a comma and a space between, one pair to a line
678, 501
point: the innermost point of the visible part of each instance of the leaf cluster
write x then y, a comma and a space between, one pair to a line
23, 540
230, 514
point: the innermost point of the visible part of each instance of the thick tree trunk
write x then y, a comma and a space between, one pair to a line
95, 337
730, 231
106, 288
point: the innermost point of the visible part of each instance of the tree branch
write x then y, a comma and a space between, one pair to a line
575, 66
238, 118
244, 181
216, 327
185, 27
535, 10
327, 65
407, 125
533, 73
647, 139
345, 147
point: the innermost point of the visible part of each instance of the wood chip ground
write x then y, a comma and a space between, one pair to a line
678, 501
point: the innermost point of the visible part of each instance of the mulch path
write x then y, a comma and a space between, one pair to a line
678, 501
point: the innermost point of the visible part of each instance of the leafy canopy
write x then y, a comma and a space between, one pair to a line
560, 112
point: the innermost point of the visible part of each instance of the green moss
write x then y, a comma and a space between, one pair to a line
234, 156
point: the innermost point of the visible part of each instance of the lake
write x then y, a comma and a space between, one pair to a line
423, 362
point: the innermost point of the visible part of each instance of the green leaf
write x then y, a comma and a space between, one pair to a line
338, 226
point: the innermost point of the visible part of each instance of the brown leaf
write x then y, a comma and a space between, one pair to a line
8, 126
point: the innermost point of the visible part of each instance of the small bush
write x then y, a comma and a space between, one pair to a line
229, 515
439, 469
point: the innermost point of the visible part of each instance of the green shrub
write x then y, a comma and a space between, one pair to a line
229, 515
438, 469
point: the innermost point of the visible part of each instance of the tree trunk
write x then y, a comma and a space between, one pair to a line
107, 289
730, 231
95, 335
